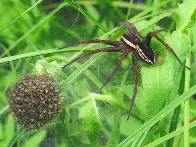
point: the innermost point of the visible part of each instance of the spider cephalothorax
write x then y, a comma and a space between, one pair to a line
130, 42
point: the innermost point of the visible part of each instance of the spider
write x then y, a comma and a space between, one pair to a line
130, 43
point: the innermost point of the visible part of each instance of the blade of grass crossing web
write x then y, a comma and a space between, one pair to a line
77, 72
37, 53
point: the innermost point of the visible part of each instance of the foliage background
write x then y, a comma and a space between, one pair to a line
29, 42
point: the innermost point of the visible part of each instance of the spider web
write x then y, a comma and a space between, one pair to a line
72, 93
82, 86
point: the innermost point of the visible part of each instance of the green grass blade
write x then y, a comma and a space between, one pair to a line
186, 105
21, 15
164, 112
4, 110
17, 135
77, 72
143, 138
129, 9
42, 21
173, 125
37, 53
170, 135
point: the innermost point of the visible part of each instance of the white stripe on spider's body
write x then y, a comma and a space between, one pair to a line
128, 42
142, 54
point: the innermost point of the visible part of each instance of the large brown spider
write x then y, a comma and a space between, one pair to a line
130, 42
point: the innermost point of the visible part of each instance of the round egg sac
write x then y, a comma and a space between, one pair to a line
34, 100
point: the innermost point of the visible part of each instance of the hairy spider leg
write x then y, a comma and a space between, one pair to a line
109, 42
153, 34
148, 37
122, 57
136, 69
108, 49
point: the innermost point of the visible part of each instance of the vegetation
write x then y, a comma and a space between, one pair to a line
31, 33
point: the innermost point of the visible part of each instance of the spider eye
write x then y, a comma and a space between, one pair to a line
136, 39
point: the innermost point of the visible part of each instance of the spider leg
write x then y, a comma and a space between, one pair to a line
108, 49
136, 69
109, 42
147, 39
122, 57
153, 34
160, 30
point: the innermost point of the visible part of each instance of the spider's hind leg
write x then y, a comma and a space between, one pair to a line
107, 49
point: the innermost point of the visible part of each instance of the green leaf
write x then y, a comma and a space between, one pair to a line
115, 133
35, 140
164, 112
1, 131
170, 135
158, 82
9, 128
91, 121
185, 15
16, 136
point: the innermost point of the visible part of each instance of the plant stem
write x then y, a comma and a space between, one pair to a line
21, 15
98, 97
186, 105
129, 9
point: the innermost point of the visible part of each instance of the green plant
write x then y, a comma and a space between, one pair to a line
90, 118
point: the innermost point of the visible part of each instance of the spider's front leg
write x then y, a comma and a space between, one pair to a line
154, 34
149, 36
107, 49
136, 69
108, 42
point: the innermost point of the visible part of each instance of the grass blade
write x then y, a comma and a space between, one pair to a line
21, 15
42, 21
170, 135
169, 108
